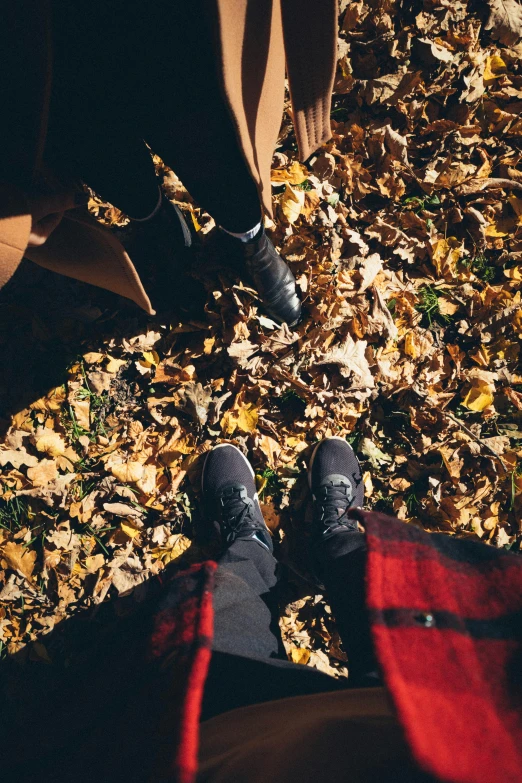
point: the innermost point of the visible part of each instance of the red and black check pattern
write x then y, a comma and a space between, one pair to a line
181, 646
446, 617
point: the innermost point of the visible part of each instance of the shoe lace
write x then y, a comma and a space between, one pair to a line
333, 502
237, 513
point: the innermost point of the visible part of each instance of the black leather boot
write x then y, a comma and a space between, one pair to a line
272, 278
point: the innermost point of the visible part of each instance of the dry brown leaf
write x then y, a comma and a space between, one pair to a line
44, 472
127, 472
505, 21
50, 442
292, 203
19, 558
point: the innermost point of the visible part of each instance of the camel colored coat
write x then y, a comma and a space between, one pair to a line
251, 61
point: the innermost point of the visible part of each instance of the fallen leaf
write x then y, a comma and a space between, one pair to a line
127, 472
505, 21
292, 202
299, 655
243, 418
114, 365
295, 174
44, 472
19, 558
479, 396
50, 442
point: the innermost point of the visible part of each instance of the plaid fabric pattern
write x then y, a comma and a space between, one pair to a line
180, 646
446, 618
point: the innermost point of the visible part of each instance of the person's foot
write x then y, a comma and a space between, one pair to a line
335, 479
272, 278
230, 497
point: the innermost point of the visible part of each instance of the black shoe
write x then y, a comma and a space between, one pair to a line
273, 279
230, 496
335, 478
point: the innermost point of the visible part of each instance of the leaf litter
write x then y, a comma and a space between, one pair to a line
405, 235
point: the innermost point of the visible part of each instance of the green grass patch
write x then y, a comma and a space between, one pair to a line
428, 305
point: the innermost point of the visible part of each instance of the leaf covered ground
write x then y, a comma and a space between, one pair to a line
405, 235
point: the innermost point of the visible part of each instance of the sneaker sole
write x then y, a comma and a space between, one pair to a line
314, 452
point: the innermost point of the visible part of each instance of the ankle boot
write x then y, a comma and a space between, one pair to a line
272, 278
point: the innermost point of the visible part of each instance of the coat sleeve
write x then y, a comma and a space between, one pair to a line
310, 32
15, 227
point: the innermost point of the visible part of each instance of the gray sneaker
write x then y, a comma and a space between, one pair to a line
230, 497
335, 479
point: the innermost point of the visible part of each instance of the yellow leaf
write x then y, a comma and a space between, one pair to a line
151, 357
195, 222
500, 228
417, 344
299, 655
292, 203
129, 529
479, 396
127, 472
176, 545
295, 174
113, 365
446, 253
494, 67
50, 443
208, 345
244, 418
94, 563
20, 559
93, 357
515, 273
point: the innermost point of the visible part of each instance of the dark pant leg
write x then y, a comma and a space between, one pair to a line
128, 71
249, 665
342, 566
187, 121
94, 133
245, 604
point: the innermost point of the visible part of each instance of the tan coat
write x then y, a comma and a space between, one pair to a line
301, 33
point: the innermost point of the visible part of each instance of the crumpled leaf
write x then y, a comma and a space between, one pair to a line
19, 558
194, 400
351, 359
292, 203
480, 395
50, 442
505, 21
243, 418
